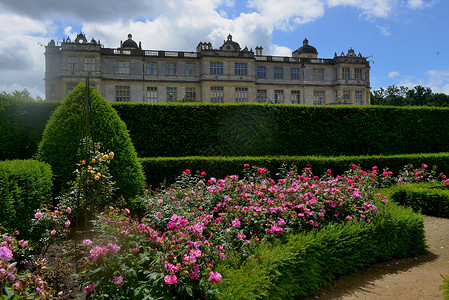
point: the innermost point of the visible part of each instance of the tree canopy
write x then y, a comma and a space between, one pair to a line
403, 96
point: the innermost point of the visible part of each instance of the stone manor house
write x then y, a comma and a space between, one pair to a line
228, 74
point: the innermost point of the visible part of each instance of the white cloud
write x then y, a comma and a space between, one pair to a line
393, 74
370, 8
437, 80
384, 30
417, 4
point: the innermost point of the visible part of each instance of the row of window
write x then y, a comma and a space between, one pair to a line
216, 68
122, 94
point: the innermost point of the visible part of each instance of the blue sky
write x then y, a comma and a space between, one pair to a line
405, 40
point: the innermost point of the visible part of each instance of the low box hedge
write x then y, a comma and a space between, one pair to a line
24, 186
166, 169
429, 199
309, 261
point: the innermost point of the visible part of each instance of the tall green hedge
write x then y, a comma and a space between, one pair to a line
21, 126
291, 130
24, 186
63, 133
166, 169
183, 129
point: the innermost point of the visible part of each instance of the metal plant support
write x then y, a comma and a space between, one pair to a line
88, 139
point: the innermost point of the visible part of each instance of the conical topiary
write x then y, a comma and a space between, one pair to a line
64, 131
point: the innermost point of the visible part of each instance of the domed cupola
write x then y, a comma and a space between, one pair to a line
230, 45
129, 43
306, 51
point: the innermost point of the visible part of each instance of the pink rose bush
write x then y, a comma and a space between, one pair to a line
19, 281
189, 229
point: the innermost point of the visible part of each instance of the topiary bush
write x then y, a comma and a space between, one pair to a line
63, 133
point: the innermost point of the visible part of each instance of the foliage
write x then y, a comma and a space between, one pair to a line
49, 226
21, 277
158, 170
403, 96
22, 121
195, 224
24, 186
445, 287
93, 188
178, 129
64, 131
430, 199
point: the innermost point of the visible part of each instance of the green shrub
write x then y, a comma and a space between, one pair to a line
24, 186
63, 133
429, 199
21, 125
311, 260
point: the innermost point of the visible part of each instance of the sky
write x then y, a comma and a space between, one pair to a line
406, 41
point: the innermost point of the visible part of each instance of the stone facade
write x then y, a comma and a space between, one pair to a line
228, 74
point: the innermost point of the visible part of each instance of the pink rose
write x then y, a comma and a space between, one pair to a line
171, 279
53, 232
118, 280
67, 223
38, 215
214, 277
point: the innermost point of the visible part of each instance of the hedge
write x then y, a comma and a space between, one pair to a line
165, 169
429, 199
200, 129
180, 129
21, 126
24, 186
309, 261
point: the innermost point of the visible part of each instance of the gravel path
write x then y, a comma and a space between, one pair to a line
413, 278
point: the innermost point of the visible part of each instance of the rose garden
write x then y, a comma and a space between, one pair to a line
281, 233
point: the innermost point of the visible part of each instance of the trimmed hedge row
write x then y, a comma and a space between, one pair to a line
24, 186
165, 169
311, 260
21, 126
198, 129
429, 199
181, 129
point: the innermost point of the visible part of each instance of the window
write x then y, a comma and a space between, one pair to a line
152, 94
190, 94
347, 96
52, 92
52, 67
171, 69
318, 98
72, 63
318, 74
261, 72
216, 68
296, 97
216, 95
151, 68
358, 98
358, 74
294, 73
346, 73
122, 94
190, 70
278, 73
278, 96
262, 96
122, 66
241, 69
171, 94
70, 87
89, 64
241, 95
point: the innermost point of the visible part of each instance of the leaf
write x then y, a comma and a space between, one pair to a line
189, 291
